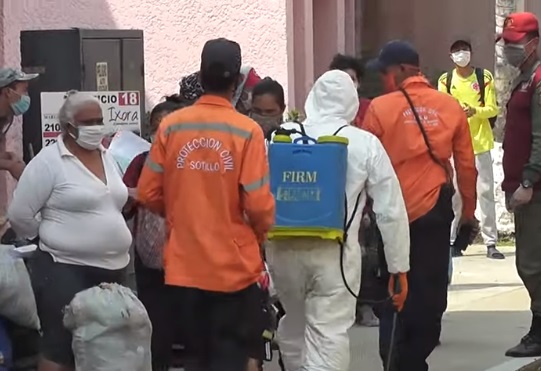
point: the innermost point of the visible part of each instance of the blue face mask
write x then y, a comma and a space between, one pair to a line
21, 106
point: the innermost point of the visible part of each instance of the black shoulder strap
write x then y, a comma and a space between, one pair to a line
425, 137
480, 74
339, 129
288, 132
302, 130
301, 126
348, 222
449, 81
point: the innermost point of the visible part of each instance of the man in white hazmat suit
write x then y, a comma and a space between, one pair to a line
306, 271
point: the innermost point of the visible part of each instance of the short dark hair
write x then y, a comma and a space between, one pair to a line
347, 62
459, 43
213, 83
171, 104
272, 87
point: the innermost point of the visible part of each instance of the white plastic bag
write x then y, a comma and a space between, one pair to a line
111, 330
17, 301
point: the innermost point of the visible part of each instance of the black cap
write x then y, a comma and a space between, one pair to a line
395, 53
221, 58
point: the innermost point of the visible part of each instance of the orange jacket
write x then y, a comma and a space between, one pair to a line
207, 173
390, 118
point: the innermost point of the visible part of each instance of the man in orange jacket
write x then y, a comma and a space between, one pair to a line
421, 129
207, 173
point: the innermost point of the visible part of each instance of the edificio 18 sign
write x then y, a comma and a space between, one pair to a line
121, 111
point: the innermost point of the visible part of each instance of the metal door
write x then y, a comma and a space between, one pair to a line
103, 52
133, 74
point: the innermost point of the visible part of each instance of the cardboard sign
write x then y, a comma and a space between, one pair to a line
121, 111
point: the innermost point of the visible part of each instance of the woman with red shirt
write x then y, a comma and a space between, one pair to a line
149, 239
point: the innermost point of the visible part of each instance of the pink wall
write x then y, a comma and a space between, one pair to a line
301, 48
319, 30
326, 34
175, 31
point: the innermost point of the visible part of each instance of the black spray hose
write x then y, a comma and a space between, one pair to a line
396, 290
342, 271
348, 287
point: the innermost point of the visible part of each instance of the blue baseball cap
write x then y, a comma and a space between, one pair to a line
11, 75
395, 53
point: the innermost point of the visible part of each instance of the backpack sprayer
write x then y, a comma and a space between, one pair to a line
323, 167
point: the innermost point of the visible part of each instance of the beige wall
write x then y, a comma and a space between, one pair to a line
431, 26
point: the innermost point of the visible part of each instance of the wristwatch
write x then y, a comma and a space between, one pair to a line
526, 184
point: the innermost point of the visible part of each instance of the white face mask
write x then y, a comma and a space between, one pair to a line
461, 58
89, 137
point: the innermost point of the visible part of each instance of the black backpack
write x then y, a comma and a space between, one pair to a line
480, 74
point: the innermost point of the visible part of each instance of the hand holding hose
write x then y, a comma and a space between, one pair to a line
398, 289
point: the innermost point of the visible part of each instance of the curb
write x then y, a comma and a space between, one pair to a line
519, 364
534, 366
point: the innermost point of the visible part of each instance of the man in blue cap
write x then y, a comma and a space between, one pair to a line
421, 128
14, 101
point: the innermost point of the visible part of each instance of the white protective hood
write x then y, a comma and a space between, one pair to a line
332, 104
333, 99
330, 108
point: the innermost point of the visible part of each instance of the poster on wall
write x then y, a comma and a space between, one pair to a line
102, 76
121, 111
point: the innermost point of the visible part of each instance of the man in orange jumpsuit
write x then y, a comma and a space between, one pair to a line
207, 173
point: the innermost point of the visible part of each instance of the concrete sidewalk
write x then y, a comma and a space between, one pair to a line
488, 313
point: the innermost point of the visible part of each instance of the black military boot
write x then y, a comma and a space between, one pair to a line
530, 345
